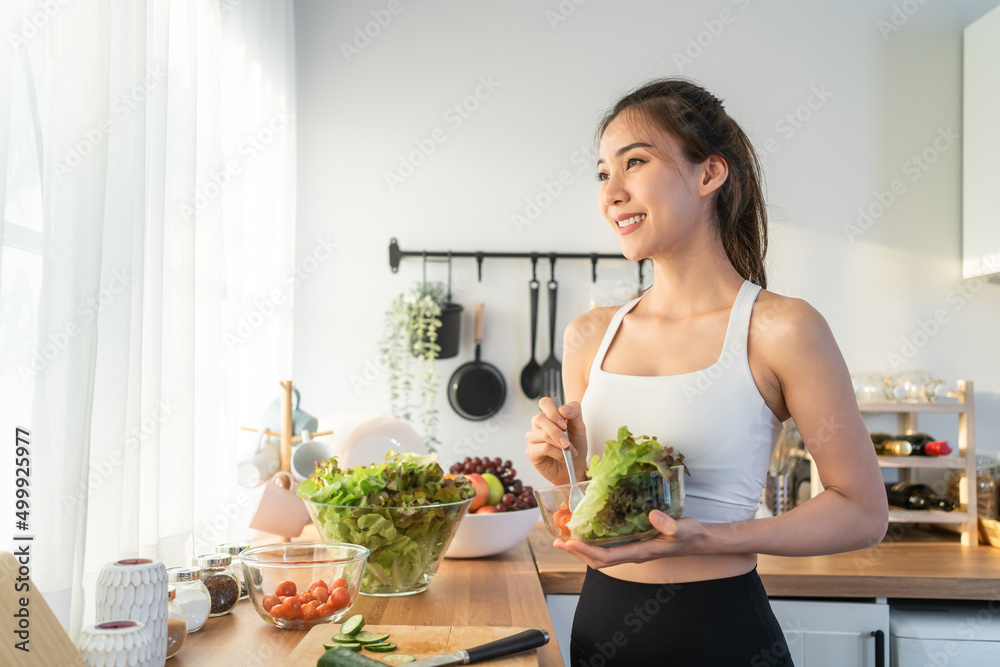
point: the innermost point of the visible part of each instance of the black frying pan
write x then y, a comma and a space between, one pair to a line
477, 390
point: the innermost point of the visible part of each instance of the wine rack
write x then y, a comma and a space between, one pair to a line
964, 460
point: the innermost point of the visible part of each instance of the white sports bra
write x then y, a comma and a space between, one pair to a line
715, 417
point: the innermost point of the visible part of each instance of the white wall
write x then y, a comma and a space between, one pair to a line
889, 97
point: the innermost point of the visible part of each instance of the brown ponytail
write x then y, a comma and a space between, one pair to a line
698, 121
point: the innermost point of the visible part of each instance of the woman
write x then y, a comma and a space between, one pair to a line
711, 364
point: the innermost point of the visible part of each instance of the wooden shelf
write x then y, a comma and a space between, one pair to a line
925, 408
926, 516
925, 462
907, 415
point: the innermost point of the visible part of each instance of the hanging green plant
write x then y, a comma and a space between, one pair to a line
409, 347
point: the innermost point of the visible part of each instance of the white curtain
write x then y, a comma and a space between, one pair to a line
166, 133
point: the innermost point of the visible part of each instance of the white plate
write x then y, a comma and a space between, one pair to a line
364, 439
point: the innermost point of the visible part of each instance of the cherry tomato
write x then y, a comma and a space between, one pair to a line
285, 588
291, 606
307, 614
325, 610
277, 611
306, 596
337, 583
317, 584
339, 598
269, 601
321, 594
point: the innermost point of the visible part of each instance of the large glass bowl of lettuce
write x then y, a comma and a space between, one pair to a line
403, 511
634, 476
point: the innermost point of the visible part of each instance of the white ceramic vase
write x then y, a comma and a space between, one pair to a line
136, 589
117, 644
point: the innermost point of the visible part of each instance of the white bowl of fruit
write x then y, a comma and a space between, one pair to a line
500, 516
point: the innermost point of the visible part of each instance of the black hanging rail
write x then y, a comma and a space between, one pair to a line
396, 255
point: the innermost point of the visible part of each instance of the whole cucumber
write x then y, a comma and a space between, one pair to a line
338, 656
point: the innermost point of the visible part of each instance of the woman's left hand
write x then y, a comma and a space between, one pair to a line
676, 538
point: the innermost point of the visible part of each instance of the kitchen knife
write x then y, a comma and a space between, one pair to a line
522, 641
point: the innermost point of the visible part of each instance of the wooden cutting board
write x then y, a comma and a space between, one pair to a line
420, 641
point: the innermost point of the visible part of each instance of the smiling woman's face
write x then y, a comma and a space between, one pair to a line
649, 191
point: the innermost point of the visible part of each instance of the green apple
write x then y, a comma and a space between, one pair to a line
482, 488
496, 488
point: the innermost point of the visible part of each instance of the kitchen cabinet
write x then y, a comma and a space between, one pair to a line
965, 516
833, 634
980, 143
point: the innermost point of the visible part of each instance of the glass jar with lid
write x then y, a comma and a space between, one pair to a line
176, 623
221, 582
984, 489
234, 549
191, 595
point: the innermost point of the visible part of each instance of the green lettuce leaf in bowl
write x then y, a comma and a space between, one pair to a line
403, 510
618, 497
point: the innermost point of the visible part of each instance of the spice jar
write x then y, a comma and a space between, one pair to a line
222, 584
191, 595
984, 489
177, 626
234, 549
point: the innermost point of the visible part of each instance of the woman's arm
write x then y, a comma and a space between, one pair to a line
850, 513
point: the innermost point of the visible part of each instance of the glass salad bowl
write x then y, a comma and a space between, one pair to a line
613, 515
283, 580
406, 544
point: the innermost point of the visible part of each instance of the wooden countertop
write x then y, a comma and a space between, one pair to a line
500, 591
893, 569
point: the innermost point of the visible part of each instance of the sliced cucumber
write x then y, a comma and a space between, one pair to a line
352, 625
338, 656
354, 646
381, 647
398, 658
370, 638
344, 639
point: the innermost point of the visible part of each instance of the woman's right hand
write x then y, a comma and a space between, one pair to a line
546, 440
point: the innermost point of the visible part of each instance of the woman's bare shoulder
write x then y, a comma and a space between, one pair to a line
586, 331
779, 319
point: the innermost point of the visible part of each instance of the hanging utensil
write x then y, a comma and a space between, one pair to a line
532, 378
552, 368
477, 389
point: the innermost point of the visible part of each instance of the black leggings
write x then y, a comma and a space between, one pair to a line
725, 622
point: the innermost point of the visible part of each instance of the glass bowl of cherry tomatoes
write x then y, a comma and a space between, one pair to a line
299, 585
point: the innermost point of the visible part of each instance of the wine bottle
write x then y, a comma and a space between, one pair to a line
891, 446
925, 445
879, 438
916, 497
915, 386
